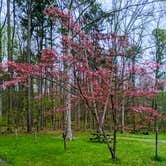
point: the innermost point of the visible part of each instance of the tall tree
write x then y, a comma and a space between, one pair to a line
29, 114
9, 51
160, 42
1, 32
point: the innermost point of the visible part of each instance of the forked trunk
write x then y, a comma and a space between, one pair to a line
107, 141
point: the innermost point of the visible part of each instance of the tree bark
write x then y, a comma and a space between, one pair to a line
10, 59
156, 138
0, 59
69, 135
29, 115
123, 119
0, 105
68, 105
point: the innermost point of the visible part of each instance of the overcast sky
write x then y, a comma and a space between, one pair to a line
106, 4
158, 7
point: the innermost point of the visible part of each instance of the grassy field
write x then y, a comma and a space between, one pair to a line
48, 151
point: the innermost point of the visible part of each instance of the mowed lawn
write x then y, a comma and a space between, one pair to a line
49, 151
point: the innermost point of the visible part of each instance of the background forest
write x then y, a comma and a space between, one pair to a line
25, 31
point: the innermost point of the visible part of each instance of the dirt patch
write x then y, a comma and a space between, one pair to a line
141, 139
60, 137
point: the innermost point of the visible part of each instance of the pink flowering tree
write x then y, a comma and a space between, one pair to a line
97, 75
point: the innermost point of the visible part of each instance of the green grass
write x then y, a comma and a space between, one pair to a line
48, 151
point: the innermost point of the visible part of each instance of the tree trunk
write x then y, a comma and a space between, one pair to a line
68, 121
29, 115
79, 116
156, 140
69, 81
123, 100
10, 59
85, 119
133, 99
68, 113
123, 119
1, 28
115, 131
0, 106
0, 62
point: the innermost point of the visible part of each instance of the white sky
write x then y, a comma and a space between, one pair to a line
148, 40
106, 4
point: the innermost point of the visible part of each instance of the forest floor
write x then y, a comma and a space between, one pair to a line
48, 150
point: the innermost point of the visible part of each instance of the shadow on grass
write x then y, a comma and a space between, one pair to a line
3, 161
112, 161
159, 159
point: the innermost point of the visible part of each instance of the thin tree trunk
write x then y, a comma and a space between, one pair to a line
123, 119
0, 62
133, 99
69, 135
115, 120
156, 140
0, 105
29, 115
41, 123
103, 115
79, 116
123, 102
10, 59
85, 118
40, 118
115, 132
52, 85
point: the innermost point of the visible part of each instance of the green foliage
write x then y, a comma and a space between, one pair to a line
39, 23
95, 17
160, 38
134, 49
160, 34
